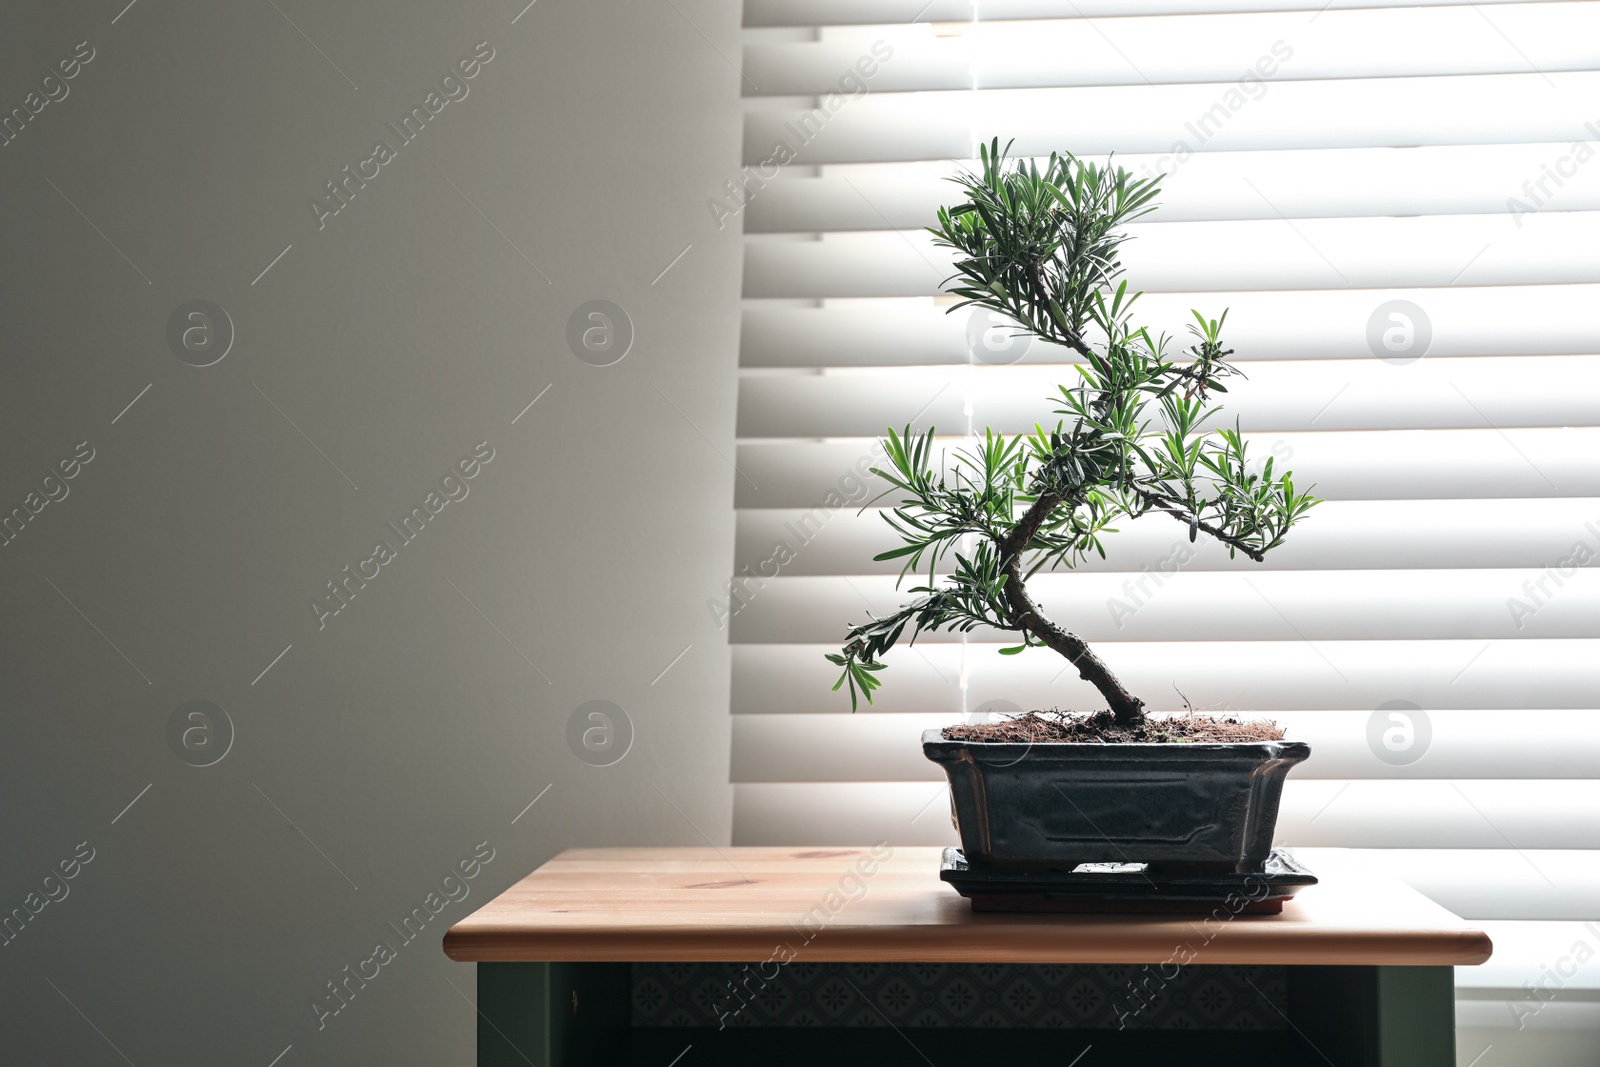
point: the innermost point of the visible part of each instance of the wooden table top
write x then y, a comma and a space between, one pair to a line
888, 905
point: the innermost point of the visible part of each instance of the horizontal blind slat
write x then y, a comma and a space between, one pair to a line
1165, 603
1525, 950
1464, 321
1353, 465
1247, 49
1271, 254
1366, 113
1417, 534
762, 13
1328, 814
1276, 396
1215, 675
1314, 183
1531, 888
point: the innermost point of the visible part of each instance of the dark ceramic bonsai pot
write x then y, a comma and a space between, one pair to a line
1050, 806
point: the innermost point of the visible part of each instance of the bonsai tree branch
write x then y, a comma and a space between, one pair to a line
1157, 502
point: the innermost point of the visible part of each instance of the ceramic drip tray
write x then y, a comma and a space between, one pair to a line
1128, 887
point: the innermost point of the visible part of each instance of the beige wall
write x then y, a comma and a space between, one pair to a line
390, 339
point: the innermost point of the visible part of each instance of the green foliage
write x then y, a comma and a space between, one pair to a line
1042, 247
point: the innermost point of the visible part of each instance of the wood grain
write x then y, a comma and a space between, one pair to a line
855, 905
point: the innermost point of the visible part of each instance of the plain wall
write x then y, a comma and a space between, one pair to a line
422, 719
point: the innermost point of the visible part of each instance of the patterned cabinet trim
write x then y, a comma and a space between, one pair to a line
1076, 996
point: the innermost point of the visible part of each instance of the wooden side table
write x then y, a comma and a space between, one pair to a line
1368, 960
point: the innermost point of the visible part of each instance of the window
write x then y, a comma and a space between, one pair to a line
1400, 208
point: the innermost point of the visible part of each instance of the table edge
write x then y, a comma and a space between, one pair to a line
974, 944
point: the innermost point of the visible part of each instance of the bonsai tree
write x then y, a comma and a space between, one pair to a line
1134, 433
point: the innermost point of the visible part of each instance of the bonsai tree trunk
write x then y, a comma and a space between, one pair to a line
1026, 616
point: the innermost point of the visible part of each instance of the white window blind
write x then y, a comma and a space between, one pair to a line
1325, 160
